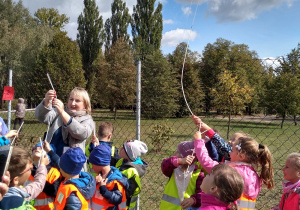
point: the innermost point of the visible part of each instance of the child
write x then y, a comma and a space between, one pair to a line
4, 185
221, 188
246, 154
111, 184
132, 167
186, 176
20, 167
70, 126
3, 127
78, 186
105, 132
53, 178
20, 113
290, 199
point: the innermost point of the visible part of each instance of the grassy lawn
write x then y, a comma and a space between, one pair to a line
281, 142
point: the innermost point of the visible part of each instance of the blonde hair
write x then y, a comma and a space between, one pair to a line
86, 98
258, 154
229, 182
295, 160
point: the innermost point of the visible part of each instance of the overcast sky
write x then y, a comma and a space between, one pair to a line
270, 27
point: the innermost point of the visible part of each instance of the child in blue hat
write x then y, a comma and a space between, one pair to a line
111, 184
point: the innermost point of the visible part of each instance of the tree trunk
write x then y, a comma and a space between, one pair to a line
115, 117
229, 120
283, 118
295, 120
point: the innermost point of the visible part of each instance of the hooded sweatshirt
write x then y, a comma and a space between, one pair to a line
15, 198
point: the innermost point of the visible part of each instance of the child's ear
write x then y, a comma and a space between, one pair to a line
109, 136
242, 156
214, 190
15, 181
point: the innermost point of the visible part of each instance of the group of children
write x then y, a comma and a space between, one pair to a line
206, 173
199, 180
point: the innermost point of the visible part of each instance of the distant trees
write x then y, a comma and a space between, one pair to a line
51, 17
90, 39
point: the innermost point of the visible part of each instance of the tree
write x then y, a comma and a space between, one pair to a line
191, 81
51, 17
117, 82
116, 26
90, 39
230, 96
159, 87
238, 60
147, 26
62, 60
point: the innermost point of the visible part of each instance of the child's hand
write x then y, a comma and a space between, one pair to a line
101, 180
187, 203
46, 146
196, 120
187, 160
197, 135
95, 141
11, 133
4, 185
44, 160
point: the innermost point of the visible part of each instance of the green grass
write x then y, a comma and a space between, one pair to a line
281, 142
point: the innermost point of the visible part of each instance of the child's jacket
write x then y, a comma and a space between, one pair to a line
15, 199
133, 171
74, 194
210, 202
290, 199
112, 196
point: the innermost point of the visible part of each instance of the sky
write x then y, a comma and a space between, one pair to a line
269, 27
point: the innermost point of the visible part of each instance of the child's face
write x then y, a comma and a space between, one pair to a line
234, 154
37, 152
290, 173
76, 103
234, 137
24, 175
208, 184
123, 154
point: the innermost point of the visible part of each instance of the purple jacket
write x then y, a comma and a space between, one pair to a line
167, 167
210, 202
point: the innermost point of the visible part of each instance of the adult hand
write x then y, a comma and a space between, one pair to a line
187, 203
4, 185
95, 141
59, 105
11, 133
49, 96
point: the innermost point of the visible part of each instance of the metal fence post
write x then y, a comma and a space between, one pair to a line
138, 112
9, 102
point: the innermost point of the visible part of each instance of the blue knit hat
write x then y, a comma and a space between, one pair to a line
72, 161
100, 155
39, 145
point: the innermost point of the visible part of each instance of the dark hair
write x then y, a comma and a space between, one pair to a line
18, 161
105, 128
229, 182
258, 154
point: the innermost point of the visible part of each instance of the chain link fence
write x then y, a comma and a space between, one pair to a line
163, 134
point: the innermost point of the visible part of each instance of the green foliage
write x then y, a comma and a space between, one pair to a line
116, 84
147, 26
191, 81
51, 17
62, 60
116, 26
159, 87
161, 135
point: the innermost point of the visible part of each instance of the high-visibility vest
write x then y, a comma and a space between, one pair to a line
63, 193
43, 200
131, 173
170, 199
87, 154
98, 202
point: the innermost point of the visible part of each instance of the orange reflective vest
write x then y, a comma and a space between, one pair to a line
43, 200
246, 203
63, 193
98, 202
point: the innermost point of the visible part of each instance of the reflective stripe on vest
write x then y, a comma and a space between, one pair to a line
246, 203
96, 206
170, 200
43, 202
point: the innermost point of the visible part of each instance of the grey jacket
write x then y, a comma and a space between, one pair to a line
20, 108
78, 130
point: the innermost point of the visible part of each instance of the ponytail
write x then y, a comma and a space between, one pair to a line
265, 160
